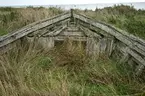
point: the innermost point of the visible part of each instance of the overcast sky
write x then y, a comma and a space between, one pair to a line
57, 2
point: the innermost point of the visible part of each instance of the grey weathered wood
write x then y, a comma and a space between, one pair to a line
123, 37
56, 32
111, 47
89, 33
103, 45
79, 33
97, 30
126, 50
46, 30
4, 40
90, 46
46, 42
60, 38
100, 37
137, 57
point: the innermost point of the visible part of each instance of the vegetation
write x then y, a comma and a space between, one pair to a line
64, 71
14, 18
122, 16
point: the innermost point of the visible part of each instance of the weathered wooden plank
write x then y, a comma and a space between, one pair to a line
91, 47
72, 28
134, 54
103, 45
65, 33
56, 31
134, 46
139, 47
46, 29
60, 38
110, 46
140, 59
95, 29
41, 31
46, 42
134, 38
4, 40
90, 33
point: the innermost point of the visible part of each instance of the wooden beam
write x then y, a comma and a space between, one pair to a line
131, 41
55, 32
61, 38
89, 33
11, 37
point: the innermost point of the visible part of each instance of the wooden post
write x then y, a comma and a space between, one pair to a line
72, 16
71, 13
111, 47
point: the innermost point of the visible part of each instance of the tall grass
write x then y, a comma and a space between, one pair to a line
12, 19
29, 70
122, 16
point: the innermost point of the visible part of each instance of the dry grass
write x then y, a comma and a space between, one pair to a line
122, 16
15, 18
64, 71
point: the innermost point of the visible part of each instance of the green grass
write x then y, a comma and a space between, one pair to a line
64, 71
122, 16
3, 32
12, 19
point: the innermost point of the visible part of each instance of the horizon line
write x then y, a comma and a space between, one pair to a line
68, 4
